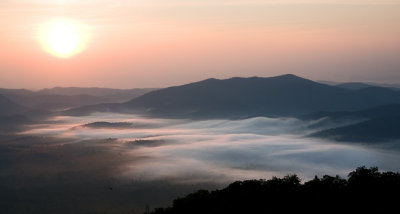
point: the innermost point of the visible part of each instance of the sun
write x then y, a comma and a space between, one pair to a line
63, 37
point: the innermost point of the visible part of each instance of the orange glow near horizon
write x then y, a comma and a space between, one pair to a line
63, 37
156, 43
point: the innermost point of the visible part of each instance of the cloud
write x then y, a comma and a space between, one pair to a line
220, 151
121, 170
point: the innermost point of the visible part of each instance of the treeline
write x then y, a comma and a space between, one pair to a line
366, 190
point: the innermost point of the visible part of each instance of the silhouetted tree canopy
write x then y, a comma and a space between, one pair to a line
366, 190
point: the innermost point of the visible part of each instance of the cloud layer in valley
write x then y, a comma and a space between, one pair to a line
217, 151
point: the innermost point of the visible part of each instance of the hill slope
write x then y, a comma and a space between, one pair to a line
286, 95
370, 131
7, 107
71, 91
353, 85
288, 195
61, 98
390, 110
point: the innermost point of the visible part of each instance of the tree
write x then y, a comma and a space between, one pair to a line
366, 190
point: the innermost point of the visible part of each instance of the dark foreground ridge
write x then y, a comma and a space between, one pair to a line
365, 191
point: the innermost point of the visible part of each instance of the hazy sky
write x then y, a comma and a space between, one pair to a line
157, 43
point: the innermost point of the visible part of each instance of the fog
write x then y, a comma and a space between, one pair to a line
218, 150
75, 165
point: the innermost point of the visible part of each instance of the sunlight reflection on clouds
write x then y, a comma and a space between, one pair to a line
221, 150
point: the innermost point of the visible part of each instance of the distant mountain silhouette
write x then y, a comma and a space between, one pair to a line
376, 124
103, 107
25, 92
354, 85
13, 123
374, 130
71, 91
286, 95
7, 107
395, 87
390, 110
57, 102
61, 98
10, 115
361, 85
379, 93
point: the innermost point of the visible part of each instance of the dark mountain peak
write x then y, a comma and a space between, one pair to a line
273, 96
241, 97
206, 81
292, 79
289, 76
243, 82
238, 85
211, 80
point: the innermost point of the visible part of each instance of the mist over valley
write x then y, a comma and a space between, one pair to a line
146, 149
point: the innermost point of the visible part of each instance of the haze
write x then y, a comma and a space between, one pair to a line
211, 151
118, 163
158, 43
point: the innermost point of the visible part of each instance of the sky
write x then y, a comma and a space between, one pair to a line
160, 43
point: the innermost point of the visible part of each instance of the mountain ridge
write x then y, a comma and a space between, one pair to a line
60, 98
238, 97
8, 107
285, 95
382, 129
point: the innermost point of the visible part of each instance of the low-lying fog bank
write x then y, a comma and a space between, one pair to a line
117, 163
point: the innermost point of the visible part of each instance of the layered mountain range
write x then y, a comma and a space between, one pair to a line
378, 108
